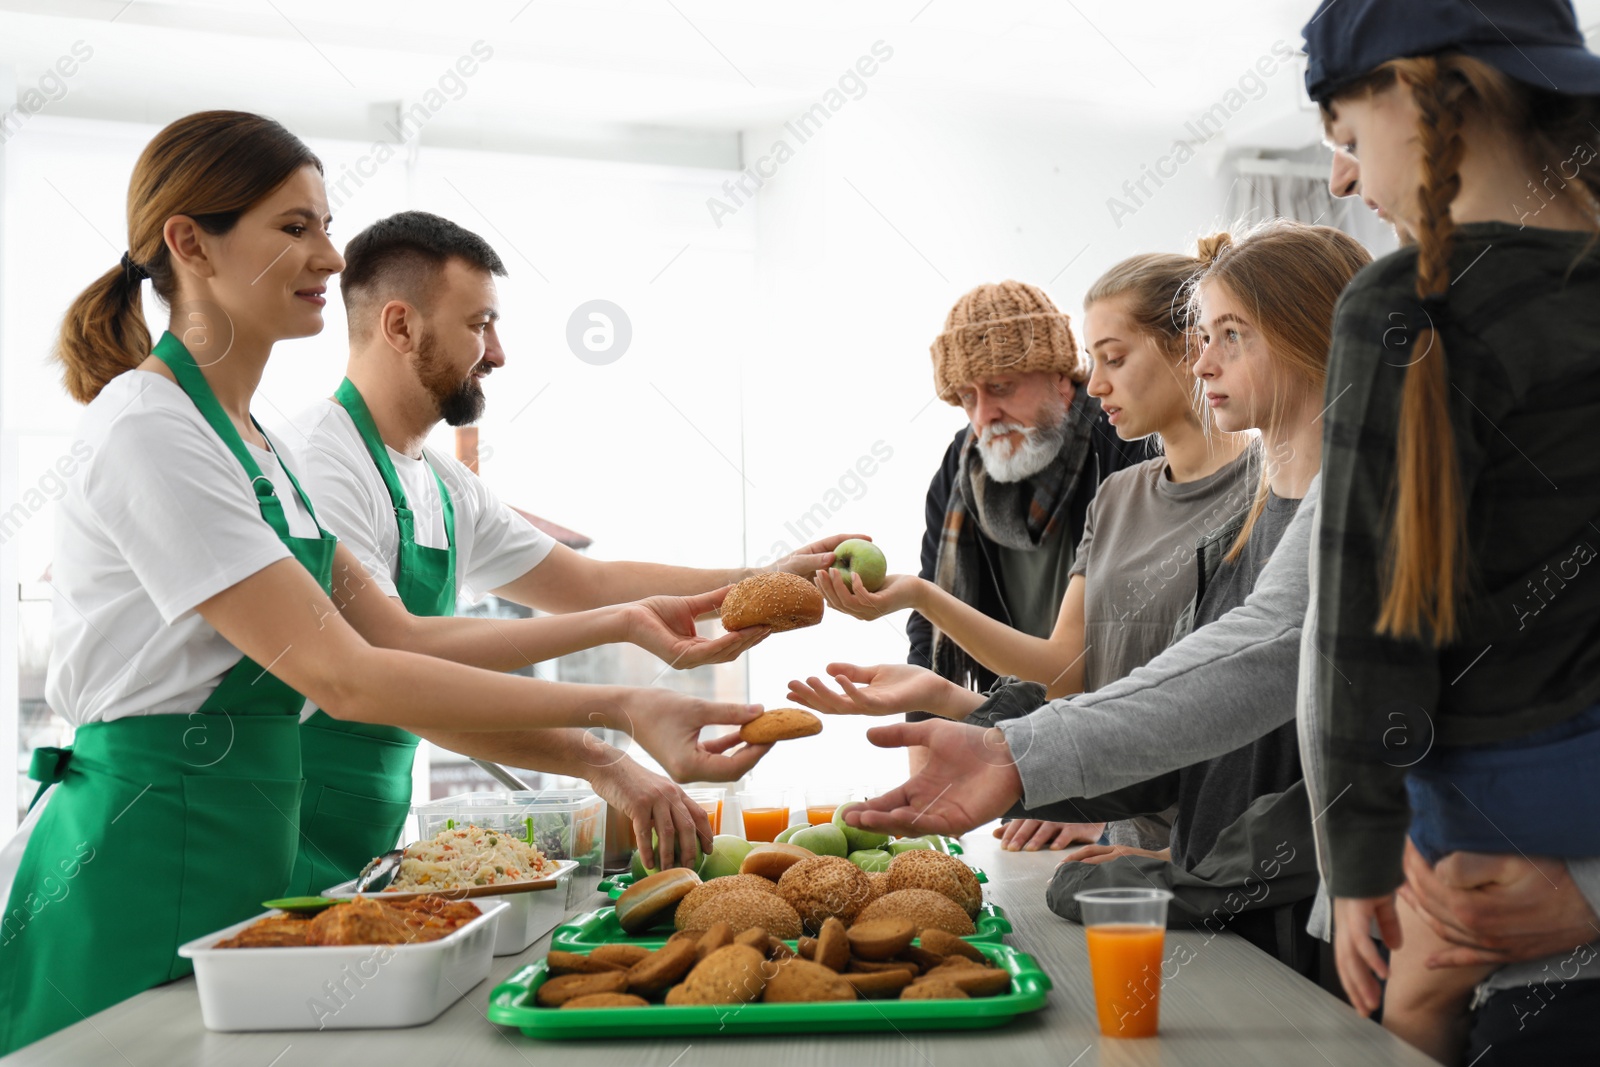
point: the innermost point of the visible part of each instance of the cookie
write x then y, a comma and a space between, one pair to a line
974, 981
881, 940
606, 1000
948, 944
922, 956
804, 982
733, 974
782, 724
716, 935
663, 968
878, 985
557, 991
757, 938
623, 956
932, 991
561, 963
833, 945
862, 966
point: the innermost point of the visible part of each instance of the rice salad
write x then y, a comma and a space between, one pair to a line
465, 856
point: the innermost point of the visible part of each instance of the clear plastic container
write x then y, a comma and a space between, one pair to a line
564, 824
339, 987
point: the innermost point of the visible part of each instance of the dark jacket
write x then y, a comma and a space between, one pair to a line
1108, 454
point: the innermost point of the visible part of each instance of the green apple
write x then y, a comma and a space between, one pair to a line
639, 864
940, 844
870, 859
909, 844
824, 840
790, 832
858, 558
727, 852
854, 836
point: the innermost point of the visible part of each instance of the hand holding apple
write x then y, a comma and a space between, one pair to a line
858, 599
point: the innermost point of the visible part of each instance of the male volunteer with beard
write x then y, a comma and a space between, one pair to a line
421, 302
1006, 509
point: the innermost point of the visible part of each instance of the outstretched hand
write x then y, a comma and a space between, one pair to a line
854, 599
668, 725
885, 689
665, 627
967, 779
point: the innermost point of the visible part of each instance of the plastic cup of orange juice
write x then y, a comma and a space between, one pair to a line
710, 801
822, 803
1126, 931
765, 813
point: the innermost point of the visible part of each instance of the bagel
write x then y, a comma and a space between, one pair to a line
775, 599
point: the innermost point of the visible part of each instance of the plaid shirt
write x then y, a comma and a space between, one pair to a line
1522, 341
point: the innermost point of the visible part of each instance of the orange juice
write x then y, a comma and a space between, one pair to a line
819, 814
713, 812
1125, 960
765, 824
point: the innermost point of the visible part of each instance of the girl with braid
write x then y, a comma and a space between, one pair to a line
1456, 601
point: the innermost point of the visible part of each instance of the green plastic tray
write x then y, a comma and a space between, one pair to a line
600, 927
511, 1004
614, 885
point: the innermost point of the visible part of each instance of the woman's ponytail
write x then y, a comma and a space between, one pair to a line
103, 333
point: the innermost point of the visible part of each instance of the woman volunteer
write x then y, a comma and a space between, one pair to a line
188, 566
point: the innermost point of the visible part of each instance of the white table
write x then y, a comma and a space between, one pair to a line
1231, 1005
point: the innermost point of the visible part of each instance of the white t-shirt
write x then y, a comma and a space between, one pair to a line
494, 545
159, 519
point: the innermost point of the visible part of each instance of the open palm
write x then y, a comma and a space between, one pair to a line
886, 689
967, 779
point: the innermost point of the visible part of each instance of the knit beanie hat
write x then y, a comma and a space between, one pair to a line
1010, 328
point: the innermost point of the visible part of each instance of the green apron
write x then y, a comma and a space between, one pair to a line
161, 828
358, 775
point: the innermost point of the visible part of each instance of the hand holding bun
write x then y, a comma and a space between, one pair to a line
777, 600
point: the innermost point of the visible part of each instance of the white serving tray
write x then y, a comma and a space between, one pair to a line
339, 987
532, 910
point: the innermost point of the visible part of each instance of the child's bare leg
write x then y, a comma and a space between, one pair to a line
1427, 1009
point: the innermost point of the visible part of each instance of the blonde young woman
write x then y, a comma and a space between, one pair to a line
198, 603
1133, 571
1457, 695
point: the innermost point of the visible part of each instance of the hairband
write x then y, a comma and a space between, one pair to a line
134, 271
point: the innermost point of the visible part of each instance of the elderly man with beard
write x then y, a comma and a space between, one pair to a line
421, 300
1006, 510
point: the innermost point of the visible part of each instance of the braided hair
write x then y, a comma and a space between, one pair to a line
1426, 555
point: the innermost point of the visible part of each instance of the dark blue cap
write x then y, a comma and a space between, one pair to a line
1536, 42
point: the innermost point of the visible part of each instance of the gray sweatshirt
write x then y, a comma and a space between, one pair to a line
1221, 687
